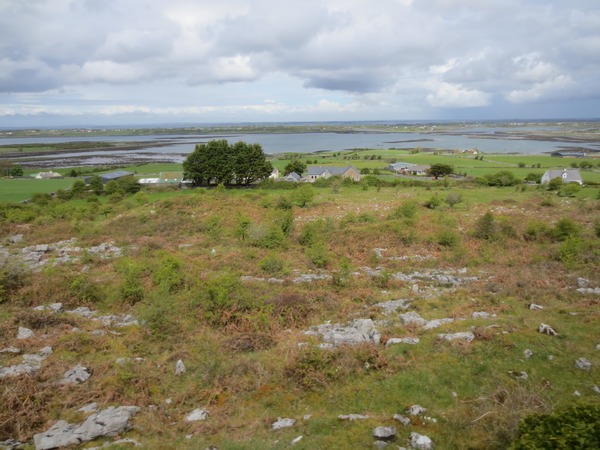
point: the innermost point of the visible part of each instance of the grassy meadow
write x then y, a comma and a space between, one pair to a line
214, 276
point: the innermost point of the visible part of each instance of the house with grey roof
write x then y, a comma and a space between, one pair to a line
399, 167
316, 172
292, 177
106, 177
567, 176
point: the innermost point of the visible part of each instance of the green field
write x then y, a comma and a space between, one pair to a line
22, 189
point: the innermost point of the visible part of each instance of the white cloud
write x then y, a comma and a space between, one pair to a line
345, 57
449, 95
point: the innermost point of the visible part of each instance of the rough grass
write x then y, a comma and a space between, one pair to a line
239, 339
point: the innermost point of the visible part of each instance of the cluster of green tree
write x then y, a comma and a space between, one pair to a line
7, 169
295, 165
120, 187
583, 165
502, 178
218, 162
440, 170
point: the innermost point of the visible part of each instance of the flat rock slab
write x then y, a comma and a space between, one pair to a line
405, 340
462, 336
108, 422
197, 415
76, 375
353, 417
385, 433
421, 442
359, 331
283, 423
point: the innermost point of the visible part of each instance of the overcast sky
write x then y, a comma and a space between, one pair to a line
67, 62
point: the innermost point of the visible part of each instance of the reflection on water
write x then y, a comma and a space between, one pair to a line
181, 145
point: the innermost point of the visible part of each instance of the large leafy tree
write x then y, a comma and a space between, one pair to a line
295, 166
440, 170
249, 163
219, 162
210, 162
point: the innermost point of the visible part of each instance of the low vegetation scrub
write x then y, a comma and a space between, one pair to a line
242, 285
575, 427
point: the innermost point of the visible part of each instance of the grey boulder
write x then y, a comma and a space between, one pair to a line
108, 422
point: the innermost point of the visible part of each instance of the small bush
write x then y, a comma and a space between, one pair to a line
447, 238
576, 427
569, 190
433, 203
407, 211
486, 227
564, 229
318, 255
12, 277
271, 265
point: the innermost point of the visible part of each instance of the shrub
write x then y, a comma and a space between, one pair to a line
453, 198
131, 288
85, 290
537, 231
12, 277
569, 190
574, 427
272, 237
168, 275
313, 368
501, 179
318, 255
433, 202
447, 238
283, 202
555, 184
304, 195
564, 229
271, 264
407, 210
485, 227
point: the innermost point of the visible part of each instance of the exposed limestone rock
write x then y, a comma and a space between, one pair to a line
82, 311
482, 315
296, 440
53, 307
594, 291
420, 442
10, 444
119, 442
31, 364
463, 336
393, 305
197, 415
527, 353
353, 417
412, 318
283, 423
435, 323
402, 419
179, 367
547, 329
535, 307
24, 333
358, 331
583, 364
89, 408
13, 350
76, 375
415, 410
583, 282
386, 433
519, 375
108, 422
406, 340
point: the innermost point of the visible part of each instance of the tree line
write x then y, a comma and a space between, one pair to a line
218, 162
